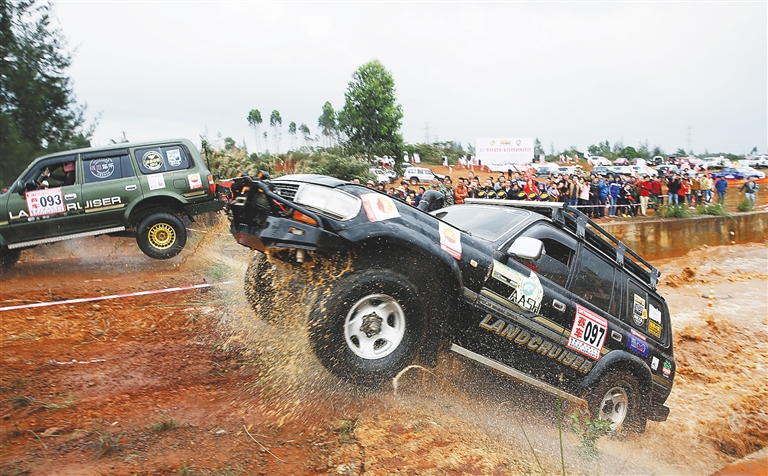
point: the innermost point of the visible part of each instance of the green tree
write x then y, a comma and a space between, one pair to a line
538, 150
371, 117
681, 153
327, 122
630, 152
38, 109
292, 133
254, 120
276, 121
304, 132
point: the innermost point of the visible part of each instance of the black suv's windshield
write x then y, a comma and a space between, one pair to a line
488, 223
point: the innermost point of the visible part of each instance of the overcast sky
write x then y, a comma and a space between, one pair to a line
690, 75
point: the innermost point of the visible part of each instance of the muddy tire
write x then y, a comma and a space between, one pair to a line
259, 286
414, 181
8, 257
161, 235
616, 398
368, 327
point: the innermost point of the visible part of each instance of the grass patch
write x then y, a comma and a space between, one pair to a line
20, 401
713, 209
745, 206
107, 441
345, 429
589, 432
674, 212
165, 424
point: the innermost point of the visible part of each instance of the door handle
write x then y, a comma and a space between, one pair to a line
130, 188
70, 196
558, 305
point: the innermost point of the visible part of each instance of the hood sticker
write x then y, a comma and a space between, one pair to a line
379, 207
450, 240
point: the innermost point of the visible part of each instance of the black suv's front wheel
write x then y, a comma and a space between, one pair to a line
161, 235
368, 327
616, 399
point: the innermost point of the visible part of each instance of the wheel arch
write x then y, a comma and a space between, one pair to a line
434, 273
620, 360
156, 204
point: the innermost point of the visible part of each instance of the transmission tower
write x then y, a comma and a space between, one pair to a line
689, 139
426, 132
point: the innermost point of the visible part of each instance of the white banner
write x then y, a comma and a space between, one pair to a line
501, 154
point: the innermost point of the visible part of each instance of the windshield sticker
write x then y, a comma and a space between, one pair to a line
102, 168
48, 201
156, 181
194, 181
450, 240
639, 313
637, 346
152, 160
588, 333
379, 207
527, 292
174, 157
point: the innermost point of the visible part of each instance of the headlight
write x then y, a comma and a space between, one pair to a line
336, 203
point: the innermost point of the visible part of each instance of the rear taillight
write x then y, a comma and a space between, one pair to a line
211, 184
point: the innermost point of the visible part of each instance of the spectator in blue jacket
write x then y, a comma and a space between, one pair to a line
613, 195
720, 185
604, 192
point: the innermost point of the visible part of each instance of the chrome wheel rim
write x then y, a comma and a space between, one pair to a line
614, 407
374, 327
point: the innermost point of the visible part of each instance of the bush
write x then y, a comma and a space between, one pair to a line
744, 206
344, 168
674, 212
713, 209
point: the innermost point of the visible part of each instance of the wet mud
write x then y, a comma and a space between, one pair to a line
193, 382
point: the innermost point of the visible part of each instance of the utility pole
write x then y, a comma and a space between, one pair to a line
426, 132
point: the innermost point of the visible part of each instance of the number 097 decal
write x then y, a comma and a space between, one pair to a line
588, 333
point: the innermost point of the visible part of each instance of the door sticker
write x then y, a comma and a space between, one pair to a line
45, 202
102, 168
527, 291
587, 333
156, 181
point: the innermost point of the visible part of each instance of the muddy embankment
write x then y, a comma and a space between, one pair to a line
193, 382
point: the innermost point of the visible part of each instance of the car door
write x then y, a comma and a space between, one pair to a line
46, 202
524, 308
110, 185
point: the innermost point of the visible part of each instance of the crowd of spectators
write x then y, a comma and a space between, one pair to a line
598, 195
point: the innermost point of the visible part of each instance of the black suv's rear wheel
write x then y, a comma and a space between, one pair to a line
161, 235
368, 327
8, 257
616, 398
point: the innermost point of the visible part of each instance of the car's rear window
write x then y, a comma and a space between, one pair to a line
488, 223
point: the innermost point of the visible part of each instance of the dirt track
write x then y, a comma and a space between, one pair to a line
188, 382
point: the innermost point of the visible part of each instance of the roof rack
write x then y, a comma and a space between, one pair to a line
588, 231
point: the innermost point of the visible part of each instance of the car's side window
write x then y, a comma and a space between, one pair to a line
557, 257
594, 280
102, 169
153, 160
51, 173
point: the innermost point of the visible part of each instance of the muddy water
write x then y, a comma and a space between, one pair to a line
719, 302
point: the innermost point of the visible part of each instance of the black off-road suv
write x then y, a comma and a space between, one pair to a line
534, 290
134, 189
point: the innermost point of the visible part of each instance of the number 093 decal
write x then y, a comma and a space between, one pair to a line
588, 333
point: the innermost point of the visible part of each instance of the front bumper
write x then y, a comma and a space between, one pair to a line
276, 232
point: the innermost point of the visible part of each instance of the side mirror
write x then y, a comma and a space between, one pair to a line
526, 248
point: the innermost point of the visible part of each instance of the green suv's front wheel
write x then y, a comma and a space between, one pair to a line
161, 235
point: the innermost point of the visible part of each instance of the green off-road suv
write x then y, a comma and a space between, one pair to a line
132, 189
